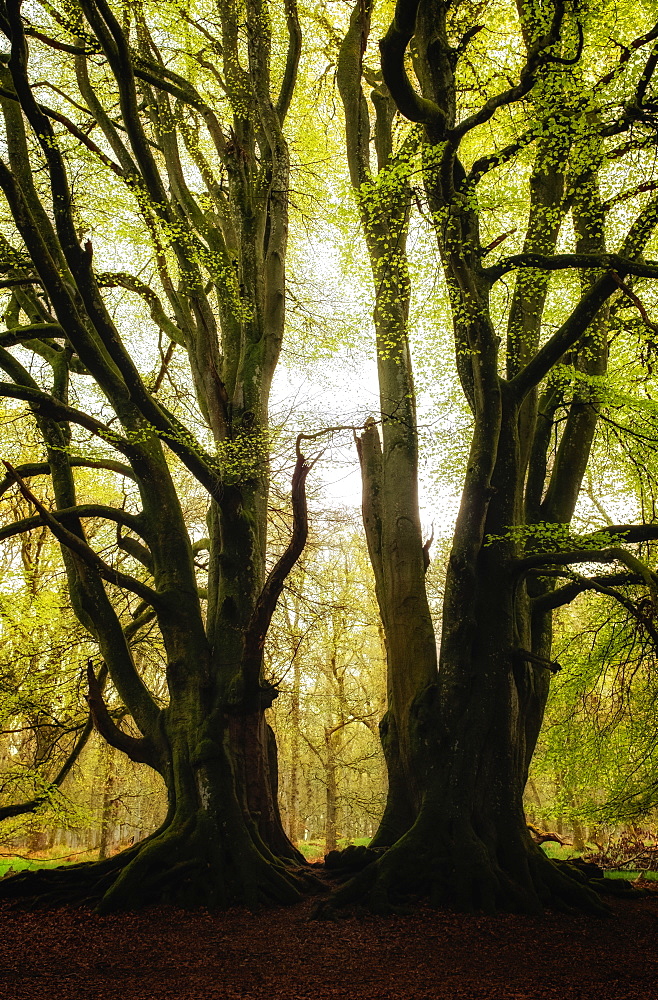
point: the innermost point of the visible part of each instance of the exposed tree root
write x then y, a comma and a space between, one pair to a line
469, 873
185, 865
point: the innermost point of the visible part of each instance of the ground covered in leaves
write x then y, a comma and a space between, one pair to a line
281, 954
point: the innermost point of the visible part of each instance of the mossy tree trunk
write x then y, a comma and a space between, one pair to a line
219, 256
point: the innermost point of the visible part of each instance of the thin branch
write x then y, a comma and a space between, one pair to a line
20, 809
83, 550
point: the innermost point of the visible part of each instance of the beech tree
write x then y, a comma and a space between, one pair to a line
549, 124
201, 161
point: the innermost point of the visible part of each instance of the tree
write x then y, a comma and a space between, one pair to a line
146, 122
532, 372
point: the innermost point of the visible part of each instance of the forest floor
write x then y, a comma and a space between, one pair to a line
281, 954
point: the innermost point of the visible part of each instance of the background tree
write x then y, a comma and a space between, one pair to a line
326, 649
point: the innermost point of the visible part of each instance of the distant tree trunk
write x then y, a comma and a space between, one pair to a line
331, 790
108, 801
296, 832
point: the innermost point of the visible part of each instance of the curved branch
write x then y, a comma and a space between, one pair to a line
31, 331
135, 549
612, 554
71, 127
599, 585
139, 749
393, 47
81, 510
29, 469
577, 585
269, 595
122, 279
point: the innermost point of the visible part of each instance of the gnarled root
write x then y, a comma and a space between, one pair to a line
469, 872
191, 864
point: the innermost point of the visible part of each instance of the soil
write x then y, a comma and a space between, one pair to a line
282, 954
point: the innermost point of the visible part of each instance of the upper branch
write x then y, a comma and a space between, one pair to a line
393, 47
538, 55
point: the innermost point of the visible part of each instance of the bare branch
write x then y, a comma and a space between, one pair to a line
269, 595
71, 513
83, 550
20, 809
139, 749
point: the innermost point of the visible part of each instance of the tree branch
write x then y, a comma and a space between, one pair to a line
564, 338
577, 585
269, 595
84, 551
564, 261
45, 404
139, 749
537, 56
81, 510
292, 59
393, 47
612, 554
29, 469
